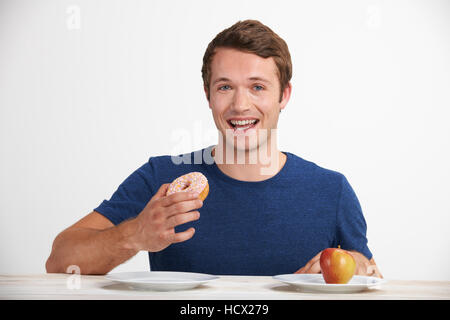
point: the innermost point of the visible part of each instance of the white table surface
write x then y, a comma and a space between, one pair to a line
66, 286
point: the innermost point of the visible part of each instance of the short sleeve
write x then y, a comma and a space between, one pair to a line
130, 198
351, 225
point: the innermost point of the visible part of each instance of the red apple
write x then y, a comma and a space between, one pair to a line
337, 265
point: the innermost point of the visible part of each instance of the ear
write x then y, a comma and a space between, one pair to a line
205, 89
286, 95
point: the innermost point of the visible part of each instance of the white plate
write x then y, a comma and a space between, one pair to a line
161, 280
316, 283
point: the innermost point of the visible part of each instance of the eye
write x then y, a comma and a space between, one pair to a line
224, 87
258, 88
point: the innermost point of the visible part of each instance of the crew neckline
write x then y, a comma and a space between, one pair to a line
216, 170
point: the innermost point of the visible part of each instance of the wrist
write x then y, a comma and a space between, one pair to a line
129, 235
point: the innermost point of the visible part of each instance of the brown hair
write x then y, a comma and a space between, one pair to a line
254, 37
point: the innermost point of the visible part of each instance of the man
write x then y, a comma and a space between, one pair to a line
268, 212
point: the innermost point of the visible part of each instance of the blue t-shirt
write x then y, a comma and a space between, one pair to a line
266, 227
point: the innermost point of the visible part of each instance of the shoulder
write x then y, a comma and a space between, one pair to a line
314, 172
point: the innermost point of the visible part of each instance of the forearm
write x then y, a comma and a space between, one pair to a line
92, 251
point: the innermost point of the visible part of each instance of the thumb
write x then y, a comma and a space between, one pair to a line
161, 192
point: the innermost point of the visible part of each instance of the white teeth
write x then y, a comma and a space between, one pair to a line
242, 122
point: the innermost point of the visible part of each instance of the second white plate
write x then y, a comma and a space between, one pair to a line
316, 283
161, 280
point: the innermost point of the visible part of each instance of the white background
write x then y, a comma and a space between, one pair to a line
89, 90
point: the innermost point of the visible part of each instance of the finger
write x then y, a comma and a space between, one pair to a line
161, 192
372, 270
309, 264
315, 267
182, 236
182, 218
300, 270
365, 270
312, 268
183, 206
177, 197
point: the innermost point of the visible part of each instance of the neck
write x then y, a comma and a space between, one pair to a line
257, 164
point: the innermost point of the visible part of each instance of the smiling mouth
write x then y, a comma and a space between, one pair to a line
242, 125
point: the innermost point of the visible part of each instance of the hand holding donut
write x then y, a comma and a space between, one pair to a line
155, 225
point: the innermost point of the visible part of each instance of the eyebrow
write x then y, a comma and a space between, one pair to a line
251, 78
220, 79
259, 79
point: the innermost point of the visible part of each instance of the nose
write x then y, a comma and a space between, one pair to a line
241, 101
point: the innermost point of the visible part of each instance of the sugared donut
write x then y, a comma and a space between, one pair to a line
193, 181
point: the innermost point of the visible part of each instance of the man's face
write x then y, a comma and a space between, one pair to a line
245, 97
